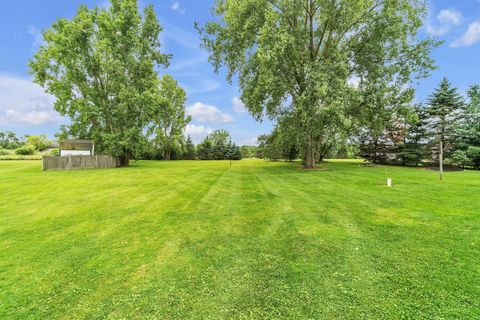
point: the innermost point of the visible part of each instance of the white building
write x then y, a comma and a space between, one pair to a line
73, 147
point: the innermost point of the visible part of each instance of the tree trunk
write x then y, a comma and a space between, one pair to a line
310, 154
167, 155
125, 160
441, 160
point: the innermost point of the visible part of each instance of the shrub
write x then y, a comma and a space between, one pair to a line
473, 154
458, 159
4, 152
25, 150
54, 152
39, 143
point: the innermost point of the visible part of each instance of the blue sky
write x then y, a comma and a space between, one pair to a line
213, 103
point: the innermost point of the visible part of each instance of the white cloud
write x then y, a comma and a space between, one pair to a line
24, 102
37, 36
205, 113
179, 65
180, 36
33, 118
238, 105
450, 16
177, 7
446, 20
197, 132
470, 37
252, 141
195, 83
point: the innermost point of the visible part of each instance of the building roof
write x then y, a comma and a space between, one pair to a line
76, 144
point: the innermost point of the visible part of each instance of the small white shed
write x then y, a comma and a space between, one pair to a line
74, 147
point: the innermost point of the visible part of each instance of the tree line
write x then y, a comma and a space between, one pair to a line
399, 134
327, 72
413, 136
216, 146
26, 145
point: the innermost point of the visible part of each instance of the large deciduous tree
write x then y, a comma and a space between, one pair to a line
301, 56
170, 120
102, 68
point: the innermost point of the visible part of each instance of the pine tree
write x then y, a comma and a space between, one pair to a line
470, 126
189, 150
205, 150
413, 149
468, 131
233, 152
445, 105
219, 150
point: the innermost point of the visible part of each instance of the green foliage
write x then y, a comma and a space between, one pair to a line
54, 152
281, 143
102, 68
233, 152
468, 128
458, 158
473, 154
25, 150
205, 150
298, 58
444, 106
218, 146
190, 153
40, 142
248, 151
8, 140
170, 120
4, 152
268, 147
413, 149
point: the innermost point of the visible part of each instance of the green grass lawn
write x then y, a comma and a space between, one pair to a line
257, 240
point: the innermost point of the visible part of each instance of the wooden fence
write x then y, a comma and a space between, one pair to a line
79, 162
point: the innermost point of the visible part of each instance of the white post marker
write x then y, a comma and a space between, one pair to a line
389, 182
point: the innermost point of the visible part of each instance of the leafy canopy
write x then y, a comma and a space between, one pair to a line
170, 119
301, 56
102, 68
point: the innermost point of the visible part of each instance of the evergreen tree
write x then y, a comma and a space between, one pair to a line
205, 150
468, 132
383, 128
233, 152
412, 151
217, 146
445, 105
220, 149
470, 127
190, 153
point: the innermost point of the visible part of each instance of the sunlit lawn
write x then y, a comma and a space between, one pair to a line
255, 240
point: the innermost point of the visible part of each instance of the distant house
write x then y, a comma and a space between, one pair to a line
51, 147
72, 147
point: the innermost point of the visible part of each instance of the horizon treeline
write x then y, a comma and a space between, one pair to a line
400, 134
